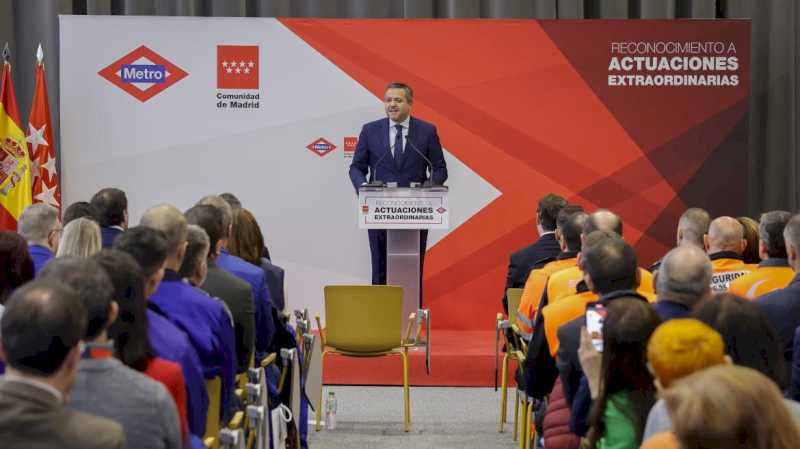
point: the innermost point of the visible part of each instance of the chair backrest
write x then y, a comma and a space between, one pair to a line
363, 318
214, 387
514, 296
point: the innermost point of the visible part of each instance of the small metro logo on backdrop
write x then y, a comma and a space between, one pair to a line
237, 66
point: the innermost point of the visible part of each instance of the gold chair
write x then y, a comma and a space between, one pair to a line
214, 388
365, 321
512, 343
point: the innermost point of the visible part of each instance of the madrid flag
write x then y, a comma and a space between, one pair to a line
15, 175
40, 144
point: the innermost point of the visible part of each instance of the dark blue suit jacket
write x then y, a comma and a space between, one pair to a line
782, 308
524, 260
373, 153
108, 236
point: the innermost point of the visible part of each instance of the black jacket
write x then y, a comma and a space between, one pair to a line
523, 261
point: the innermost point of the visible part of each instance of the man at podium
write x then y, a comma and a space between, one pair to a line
398, 149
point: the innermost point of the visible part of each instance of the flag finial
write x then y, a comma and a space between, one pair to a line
6, 53
39, 54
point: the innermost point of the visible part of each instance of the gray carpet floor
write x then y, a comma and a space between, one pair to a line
372, 417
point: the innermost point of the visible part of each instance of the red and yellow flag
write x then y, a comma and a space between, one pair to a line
15, 174
40, 144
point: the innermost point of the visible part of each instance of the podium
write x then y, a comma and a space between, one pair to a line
403, 212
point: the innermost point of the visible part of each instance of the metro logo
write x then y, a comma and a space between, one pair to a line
321, 147
142, 73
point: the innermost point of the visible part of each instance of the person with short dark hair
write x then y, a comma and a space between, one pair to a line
104, 386
773, 272
522, 261
725, 245
16, 265
40, 335
397, 149
129, 331
149, 248
40, 227
204, 320
79, 209
111, 205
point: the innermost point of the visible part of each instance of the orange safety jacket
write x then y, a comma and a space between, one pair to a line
567, 309
726, 266
771, 274
534, 289
563, 284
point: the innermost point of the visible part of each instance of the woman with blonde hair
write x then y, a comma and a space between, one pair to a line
727, 407
81, 237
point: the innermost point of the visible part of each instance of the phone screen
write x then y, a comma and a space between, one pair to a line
595, 316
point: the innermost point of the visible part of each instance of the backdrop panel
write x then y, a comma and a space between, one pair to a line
642, 117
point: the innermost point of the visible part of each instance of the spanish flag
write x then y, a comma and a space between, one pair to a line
15, 173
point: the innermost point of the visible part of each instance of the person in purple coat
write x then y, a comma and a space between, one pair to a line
40, 227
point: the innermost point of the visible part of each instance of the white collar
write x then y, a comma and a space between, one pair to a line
404, 123
546, 232
36, 384
117, 227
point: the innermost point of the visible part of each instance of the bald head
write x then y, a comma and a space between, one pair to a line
172, 223
684, 275
692, 226
603, 220
725, 234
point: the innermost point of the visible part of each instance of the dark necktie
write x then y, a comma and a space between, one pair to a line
398, 142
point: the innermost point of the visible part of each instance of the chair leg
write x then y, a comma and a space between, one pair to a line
503, 394
516, 414
524, 422
406, 401
319, 401
529, 425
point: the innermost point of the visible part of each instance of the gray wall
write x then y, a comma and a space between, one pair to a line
774, 90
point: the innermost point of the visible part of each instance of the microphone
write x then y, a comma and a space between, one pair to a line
428, 182
377, 182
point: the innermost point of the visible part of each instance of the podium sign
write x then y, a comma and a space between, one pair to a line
403, 208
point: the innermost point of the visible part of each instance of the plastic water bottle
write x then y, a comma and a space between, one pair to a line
330, 411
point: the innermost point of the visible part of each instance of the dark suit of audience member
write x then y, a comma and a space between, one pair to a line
109, 234
112, 212
523, 261
238, 296
275, 277
794, 387
782, 308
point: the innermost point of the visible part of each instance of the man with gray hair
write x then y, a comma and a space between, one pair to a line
253, 275
773, 272
683, 280
782, 307
204, 320
725, 244
40, 227
692, 226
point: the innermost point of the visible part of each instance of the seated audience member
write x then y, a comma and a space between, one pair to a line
112, 211
204, 320
236, 293
149, 248
246, 243
750, 339
750, 254
129, 331
621, 385
104, 386
794, 387
265, 328
546, 247
724, 244
682, 281
40, 227
569, 224
40, 335
565, 282
235, 204
194, 267
692, 226
79, 209
81, 239
678, 348
726, 407
782, 307
16, 265
773, 272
